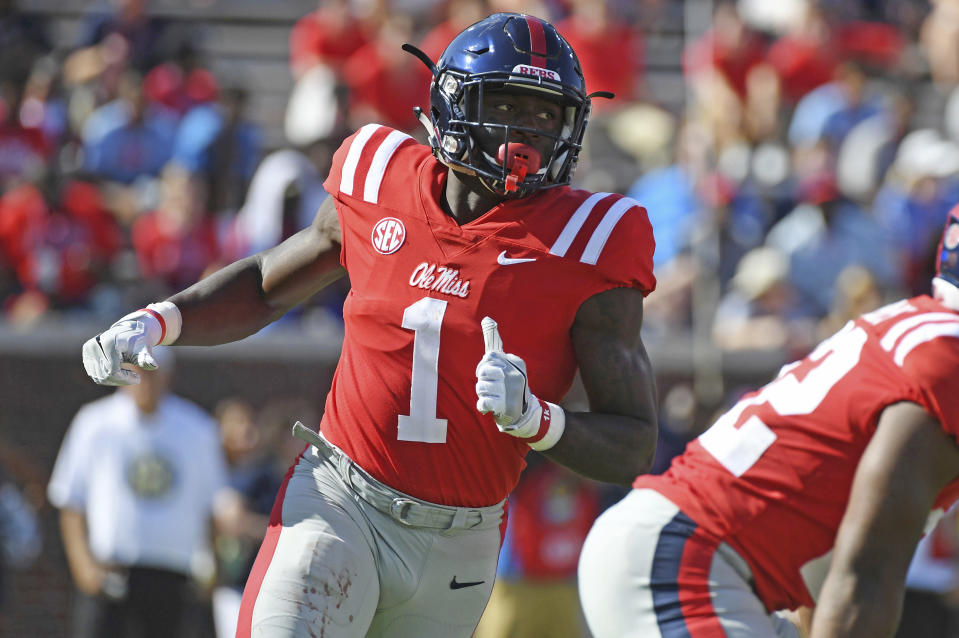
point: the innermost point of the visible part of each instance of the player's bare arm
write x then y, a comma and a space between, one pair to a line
616, 440
909, 460
230, 304
242, 298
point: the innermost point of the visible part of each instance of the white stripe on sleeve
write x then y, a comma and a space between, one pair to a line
371, 191
353, 157
575, 223
598, 240
890, 338
922, 334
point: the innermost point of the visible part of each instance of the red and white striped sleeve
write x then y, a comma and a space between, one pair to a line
360, 164
612, 233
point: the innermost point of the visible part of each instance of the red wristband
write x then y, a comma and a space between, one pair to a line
544, 420
156, 315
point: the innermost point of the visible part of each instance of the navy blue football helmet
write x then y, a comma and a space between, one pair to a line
945, 284
514, 52
947, 265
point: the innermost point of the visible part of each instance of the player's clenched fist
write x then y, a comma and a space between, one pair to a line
502, 388
130, 340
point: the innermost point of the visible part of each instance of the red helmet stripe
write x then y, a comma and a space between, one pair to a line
537, 42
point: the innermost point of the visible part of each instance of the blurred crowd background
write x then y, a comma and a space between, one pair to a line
796, 157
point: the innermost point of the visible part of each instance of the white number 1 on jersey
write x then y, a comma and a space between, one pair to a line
424, 318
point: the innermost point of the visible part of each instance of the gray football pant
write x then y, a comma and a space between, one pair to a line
344, 569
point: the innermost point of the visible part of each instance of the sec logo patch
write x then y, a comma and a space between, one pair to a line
388, 235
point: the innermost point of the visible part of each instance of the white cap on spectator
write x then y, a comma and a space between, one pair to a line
312, 110
777, 17
925, 153
857, 164
759, 270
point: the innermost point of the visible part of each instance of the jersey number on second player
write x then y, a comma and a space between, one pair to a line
738, 448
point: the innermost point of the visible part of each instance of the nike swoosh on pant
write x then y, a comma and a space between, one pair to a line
456, 585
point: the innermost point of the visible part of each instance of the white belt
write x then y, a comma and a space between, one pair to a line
406, 509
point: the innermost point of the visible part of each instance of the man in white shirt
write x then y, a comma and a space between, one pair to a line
138, 478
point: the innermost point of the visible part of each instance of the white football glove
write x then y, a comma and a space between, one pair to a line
130, 340
502, 387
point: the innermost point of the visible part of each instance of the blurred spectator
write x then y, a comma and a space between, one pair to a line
531, 7
287, 188
329, 35
181, 83
43, 106
384, 82
920, 185
761, 310
178, 242
831, 110
459, 14
80, 240
218, 141
806, 56
858, 106
609, 49
877, 44
129, 137
857, 292
826, 233
23, 218
284, 195
146, 38
726, 53
670, 196
137, 482
870, 148
255, 480
939, 40
551, 510
234, 153
317, 107
276, 420
21, 500
24, 150
735, 171
738, 216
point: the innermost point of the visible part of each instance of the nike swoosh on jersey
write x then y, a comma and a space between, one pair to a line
456, 585
503, 260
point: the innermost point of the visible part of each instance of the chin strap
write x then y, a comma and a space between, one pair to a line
424, 119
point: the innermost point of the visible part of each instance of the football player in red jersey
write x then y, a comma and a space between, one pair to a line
389, 522
811, 492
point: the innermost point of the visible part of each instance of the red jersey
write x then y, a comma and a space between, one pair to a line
772, 476
403, 400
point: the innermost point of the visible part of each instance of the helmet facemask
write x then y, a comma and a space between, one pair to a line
471, 129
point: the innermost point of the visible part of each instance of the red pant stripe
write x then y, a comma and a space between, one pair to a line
694, 595
263, 559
